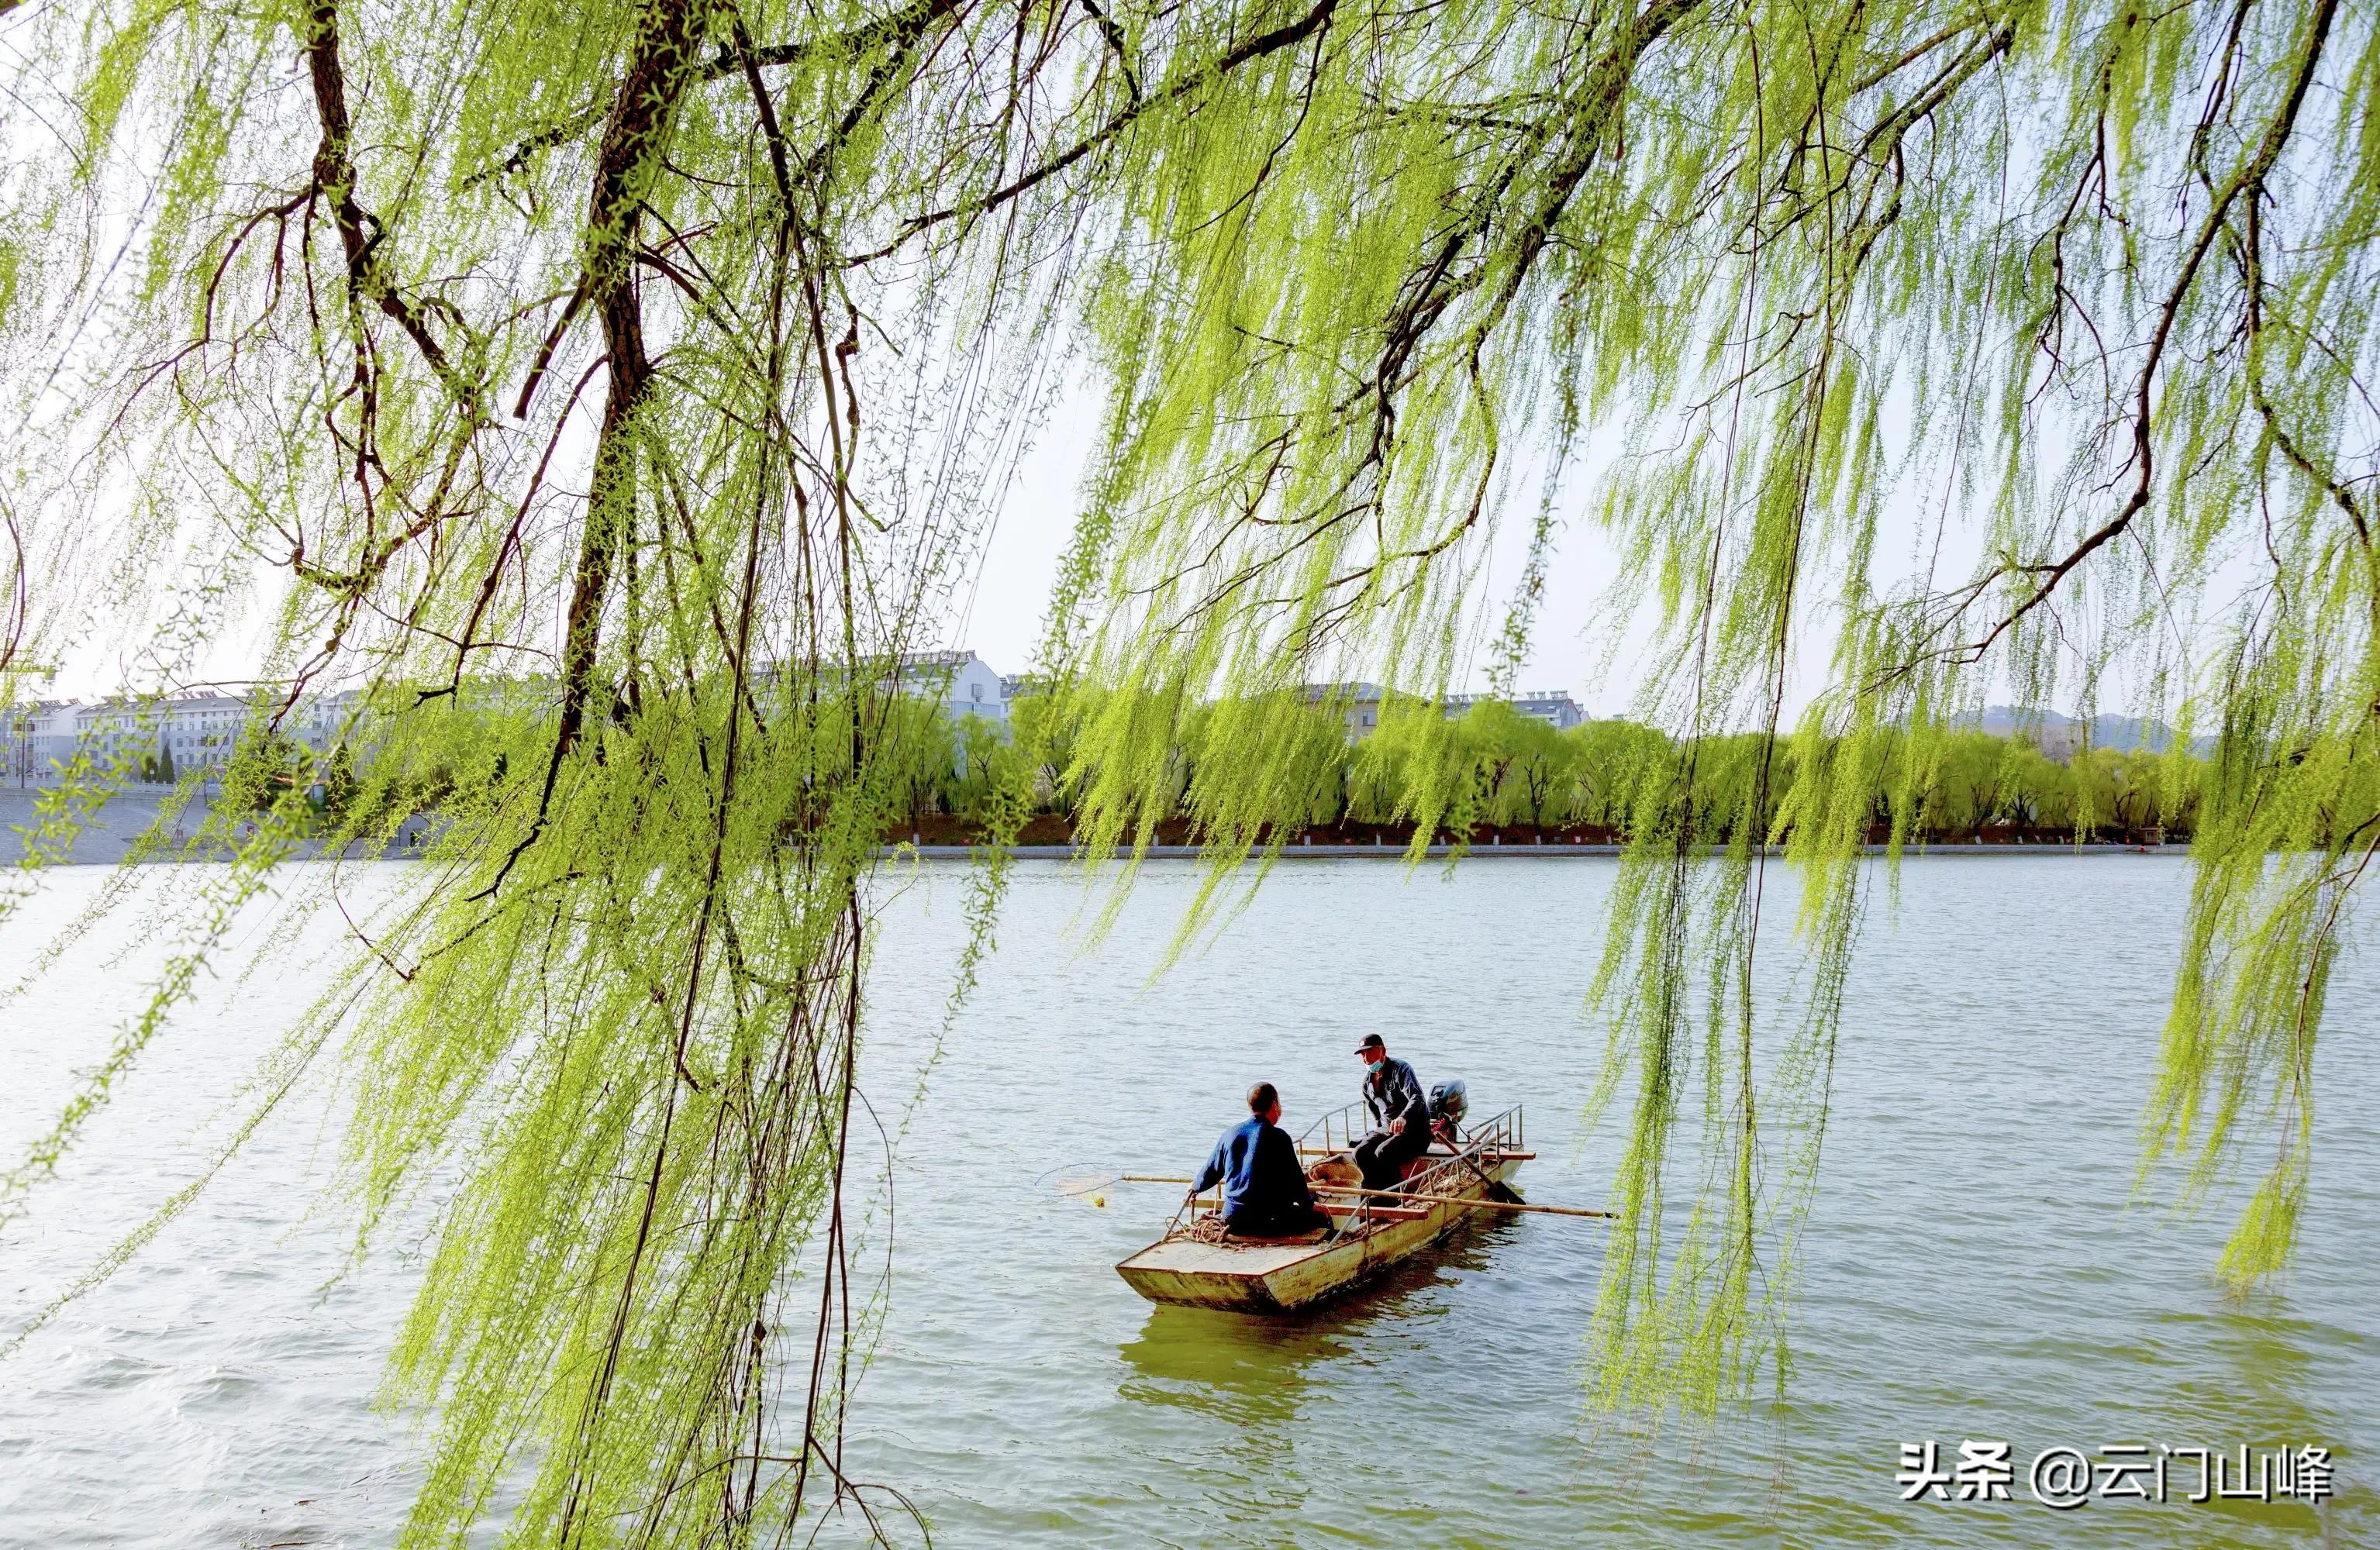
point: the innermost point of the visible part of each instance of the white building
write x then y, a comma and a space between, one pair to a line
201, 731
114, 732
317, 722
1359, 703
964, 682
198, 731
39, 736
1555, 708
1362, 703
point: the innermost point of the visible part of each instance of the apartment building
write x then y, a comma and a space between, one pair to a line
36, 736
963, 683
1360, 704
196, 731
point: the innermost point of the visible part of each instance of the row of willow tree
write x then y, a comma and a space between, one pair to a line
1487, 771
1492, 772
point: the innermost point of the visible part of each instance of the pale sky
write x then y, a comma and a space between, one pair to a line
1002, 616
1004, 611
1004, 619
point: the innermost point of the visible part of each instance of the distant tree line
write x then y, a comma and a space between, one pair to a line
1494, 774
1490, 774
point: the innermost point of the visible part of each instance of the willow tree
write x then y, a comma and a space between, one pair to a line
614, 393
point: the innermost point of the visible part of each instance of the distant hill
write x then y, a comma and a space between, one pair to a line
2059, 735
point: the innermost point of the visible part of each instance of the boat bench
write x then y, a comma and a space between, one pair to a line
1392, 1212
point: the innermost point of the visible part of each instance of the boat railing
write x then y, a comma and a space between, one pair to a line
1462, 1165
1342, 1128
1491, 1138
1336, 1131
1498, 1132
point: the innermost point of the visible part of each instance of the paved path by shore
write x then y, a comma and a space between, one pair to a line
110, 835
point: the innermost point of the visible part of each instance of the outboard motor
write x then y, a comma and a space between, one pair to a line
1447, 1104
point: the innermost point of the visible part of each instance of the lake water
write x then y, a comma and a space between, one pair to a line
1972, 1269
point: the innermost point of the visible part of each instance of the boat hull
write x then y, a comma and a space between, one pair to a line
1273, 1279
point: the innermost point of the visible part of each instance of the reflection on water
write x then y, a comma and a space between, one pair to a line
1255, 1380
1969, 1268
1254, 1368
1248, 1367
1248, 1374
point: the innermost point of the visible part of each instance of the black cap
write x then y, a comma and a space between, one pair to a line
1371, 1041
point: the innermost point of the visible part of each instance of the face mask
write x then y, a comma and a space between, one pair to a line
1374, 1067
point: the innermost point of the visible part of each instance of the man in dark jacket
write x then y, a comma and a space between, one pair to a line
1399, 1114
1264, 1194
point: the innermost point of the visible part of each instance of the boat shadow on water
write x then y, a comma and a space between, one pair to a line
1259, 1365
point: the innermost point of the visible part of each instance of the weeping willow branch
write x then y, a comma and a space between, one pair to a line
1746, 235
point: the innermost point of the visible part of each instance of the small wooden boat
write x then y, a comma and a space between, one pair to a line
1191, 1267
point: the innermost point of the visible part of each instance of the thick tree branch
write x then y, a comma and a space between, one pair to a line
359, 231
634, 134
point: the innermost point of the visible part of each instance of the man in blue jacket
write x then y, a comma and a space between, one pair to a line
1264, 1193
